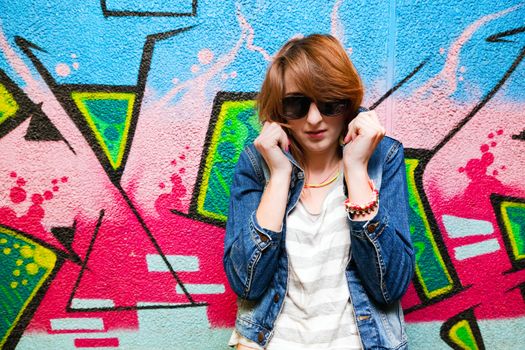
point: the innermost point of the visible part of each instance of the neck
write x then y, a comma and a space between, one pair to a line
318, 163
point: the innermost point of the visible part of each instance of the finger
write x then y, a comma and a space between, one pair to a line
369, 125
283, 141
283, 125
350, 132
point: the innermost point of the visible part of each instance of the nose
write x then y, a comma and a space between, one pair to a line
313, 116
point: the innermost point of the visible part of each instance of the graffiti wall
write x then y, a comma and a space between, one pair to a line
121, 122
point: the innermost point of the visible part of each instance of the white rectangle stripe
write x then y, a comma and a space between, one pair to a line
475, 249
177, 262
87, 323
78, 303
458, 227
201, 288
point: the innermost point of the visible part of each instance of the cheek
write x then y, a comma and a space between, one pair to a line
339, 126
295, 126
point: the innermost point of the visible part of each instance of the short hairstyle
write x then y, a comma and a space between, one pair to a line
321, 69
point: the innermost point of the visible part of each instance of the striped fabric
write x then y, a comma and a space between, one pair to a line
317, 313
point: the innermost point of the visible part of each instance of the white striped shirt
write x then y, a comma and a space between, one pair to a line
317, 313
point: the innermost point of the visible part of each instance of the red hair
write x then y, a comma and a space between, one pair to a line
321, 69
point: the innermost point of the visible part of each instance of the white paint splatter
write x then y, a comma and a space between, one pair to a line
205, 56
62, 70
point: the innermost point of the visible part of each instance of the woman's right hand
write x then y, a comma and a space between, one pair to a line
271, 143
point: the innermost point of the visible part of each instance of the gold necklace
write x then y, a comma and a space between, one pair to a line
323, 184
326, 182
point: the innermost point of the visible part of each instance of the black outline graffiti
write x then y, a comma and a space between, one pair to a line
428, 155
65, 235
467, 315
520, 136
399, 84
424, 157
133, 307
41, 129
496, 201
218, 101
63, 94
497, 38
26, 109
521, 288
482, 103
119, 13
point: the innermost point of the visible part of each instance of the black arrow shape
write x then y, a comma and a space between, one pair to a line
498, 38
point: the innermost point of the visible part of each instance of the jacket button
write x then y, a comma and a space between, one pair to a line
260, 337
371, 227
276, 298
263, 237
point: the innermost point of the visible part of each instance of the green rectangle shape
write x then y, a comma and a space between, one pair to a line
8, 104
431, 271
25, 266
237, 125
513, 214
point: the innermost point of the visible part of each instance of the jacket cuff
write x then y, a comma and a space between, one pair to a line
263, 237
372, 227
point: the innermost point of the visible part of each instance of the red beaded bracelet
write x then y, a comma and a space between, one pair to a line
361, 209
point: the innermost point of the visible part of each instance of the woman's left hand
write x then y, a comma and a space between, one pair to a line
364, 134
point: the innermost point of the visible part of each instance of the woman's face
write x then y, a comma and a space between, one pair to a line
317, 134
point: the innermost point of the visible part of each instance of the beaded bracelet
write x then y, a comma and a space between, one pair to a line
361, 209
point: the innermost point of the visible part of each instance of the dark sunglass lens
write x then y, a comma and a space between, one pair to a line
295, 107
334, 108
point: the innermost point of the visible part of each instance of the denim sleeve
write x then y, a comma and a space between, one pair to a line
381, 247
250, 251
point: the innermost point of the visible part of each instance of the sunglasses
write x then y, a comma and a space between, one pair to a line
297, 107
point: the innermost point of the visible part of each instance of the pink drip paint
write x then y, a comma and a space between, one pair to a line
17, 195
171, 200
31, 221
37, 199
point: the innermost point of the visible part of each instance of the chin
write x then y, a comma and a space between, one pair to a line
320, 147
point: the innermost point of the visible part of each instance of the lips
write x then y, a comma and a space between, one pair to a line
315, 133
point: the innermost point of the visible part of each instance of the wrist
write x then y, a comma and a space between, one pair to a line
352, 168
281, 176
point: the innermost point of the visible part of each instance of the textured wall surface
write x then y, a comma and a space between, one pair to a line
121, 121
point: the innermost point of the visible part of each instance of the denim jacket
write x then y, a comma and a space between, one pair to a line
382, 256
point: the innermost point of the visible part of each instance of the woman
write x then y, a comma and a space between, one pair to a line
317, 242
